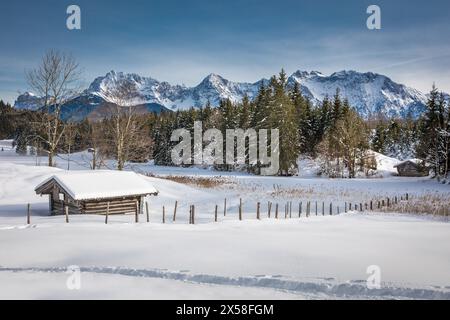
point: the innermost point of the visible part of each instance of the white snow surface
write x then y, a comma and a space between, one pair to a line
386, 166
294, 258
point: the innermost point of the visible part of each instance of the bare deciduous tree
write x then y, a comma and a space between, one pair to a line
56, 81
126, 130
99, 145
70, 133
345, 148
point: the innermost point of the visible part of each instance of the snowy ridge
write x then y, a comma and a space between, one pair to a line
213, 89
28, 101
328, 286
369, 93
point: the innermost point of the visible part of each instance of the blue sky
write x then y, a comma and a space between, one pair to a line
243, 40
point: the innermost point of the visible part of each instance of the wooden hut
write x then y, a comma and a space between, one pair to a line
92, 192
411, 168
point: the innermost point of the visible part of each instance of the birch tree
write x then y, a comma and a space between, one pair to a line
70, 134
56, 80
127, 131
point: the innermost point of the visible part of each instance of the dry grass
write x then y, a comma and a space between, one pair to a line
201, 182
429, 204
294, 193
437, 204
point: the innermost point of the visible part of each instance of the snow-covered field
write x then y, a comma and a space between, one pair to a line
298, 258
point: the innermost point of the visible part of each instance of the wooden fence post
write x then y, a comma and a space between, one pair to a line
345, 208
276, 211
257, 211
225, 207
164, 215
269, 208
290, 209
240, 208
215, 214
407, 196
316, 208
331, 208
175, 211
388, 202
136, 215
323, 208
360, 207
193, 214
190, 214
371, 207
66, 209
28, 214
147, 212
107, 212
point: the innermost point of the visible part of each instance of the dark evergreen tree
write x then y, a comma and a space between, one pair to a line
428, 148
284, 118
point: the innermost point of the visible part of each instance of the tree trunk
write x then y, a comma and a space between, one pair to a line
50, 158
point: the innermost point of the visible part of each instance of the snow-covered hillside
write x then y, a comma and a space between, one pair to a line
294, 258
369, 93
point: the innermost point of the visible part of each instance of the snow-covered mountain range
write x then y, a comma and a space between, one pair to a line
28, 101
368, 93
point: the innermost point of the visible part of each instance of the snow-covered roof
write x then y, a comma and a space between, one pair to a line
415, 161
100, 184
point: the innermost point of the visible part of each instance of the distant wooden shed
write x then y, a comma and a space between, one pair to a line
92, 192
411, 168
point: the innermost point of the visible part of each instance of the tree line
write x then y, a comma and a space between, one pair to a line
331, 132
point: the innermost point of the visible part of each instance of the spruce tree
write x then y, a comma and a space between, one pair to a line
283, 117
428, 148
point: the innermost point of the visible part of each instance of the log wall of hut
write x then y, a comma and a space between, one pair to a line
116, 206
59, 199
409, 169
58, 208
